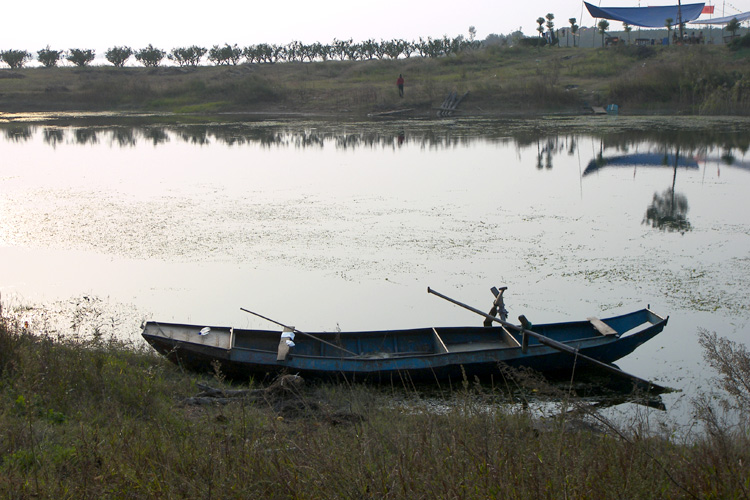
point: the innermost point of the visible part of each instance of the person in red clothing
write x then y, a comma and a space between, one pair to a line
400, 83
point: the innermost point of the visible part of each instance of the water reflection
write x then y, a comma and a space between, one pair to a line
668, 210
156, 135
53, 136
18, 134
85, 136
544, 154
648, 159
622, 146
123, 137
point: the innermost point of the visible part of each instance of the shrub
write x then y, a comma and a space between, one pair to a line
228, 54
80, 57
150, 56
533, 41
15, 58
740, 43
118, 55
187, 56
49, 57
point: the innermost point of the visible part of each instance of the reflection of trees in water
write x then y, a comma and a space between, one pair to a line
237, 135
686, 140
156, 135
53, 136
548, 147
86, 136
123, 136
550, 141
668, 210
19, 133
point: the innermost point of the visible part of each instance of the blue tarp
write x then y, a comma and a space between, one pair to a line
647, 17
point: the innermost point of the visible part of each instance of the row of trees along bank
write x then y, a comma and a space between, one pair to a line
339, 49
262, 53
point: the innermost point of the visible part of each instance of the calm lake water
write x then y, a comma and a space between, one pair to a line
106, 222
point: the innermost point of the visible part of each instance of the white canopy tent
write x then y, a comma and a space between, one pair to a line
723, 20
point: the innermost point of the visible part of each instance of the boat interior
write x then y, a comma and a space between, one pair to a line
399, 342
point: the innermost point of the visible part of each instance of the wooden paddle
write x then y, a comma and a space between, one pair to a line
644, 384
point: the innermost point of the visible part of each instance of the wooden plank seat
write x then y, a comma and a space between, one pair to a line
602, 327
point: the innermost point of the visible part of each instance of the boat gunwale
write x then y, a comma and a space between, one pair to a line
591, 342
241, 331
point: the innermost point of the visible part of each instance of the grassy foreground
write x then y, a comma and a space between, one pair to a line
105, 420
707, 79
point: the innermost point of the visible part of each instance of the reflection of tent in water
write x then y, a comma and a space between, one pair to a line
647, 17
726, 160
640, 160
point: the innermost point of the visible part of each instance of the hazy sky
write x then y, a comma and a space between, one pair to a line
166, 24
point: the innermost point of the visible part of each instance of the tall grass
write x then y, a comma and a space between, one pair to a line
94, 419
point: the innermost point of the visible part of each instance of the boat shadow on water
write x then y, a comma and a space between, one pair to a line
586, 389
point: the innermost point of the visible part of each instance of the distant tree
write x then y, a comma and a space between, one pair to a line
628, 28
263, 53
433, 48
472, 43
603, 27
228, 54
371, 49
291, 52
187, 56
392, 48
515, 37
550, 27
353, 50
338, 48
312, 51
323, 51
573, 29
49, 57
453, 46
15, 58
251, 53
80, 57
668, 24
733, 27
150, 56
540, 28
118, 55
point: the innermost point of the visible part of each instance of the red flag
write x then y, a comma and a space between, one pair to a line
708, 9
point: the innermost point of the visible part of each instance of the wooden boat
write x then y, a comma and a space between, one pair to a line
422, 354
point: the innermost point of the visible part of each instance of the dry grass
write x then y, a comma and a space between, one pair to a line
707, 79
103, 420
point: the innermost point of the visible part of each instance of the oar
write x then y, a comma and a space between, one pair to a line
553, 343
292, 329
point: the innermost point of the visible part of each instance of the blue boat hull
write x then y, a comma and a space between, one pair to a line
420, 355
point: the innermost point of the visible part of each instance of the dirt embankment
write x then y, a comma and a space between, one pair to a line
688, 79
